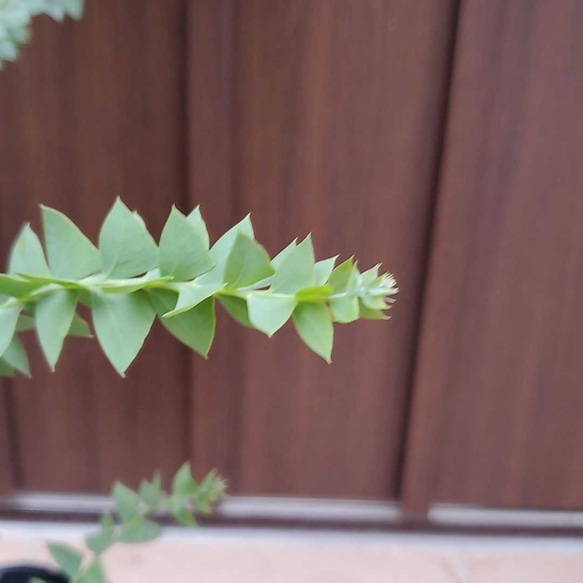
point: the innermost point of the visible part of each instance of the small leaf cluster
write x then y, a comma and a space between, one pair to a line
132, 521
16, 16
128, 280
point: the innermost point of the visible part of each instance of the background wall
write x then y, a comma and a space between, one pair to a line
439, 137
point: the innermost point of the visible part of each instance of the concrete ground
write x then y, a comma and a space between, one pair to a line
268, 556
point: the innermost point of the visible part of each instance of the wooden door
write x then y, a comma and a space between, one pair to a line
91, 111
315, 116
320, 117
498, 392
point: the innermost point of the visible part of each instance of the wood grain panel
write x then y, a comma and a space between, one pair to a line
214, 401
334, 127
7, 461
94, 110
498, 400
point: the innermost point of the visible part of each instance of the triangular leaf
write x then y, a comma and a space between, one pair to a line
181, 512
54, 318
127, 502
27, 255
191, 294
296, 270
121, 323
16, 358
269, 313
222, 248
100, 541
195, 327
139, 530
126, 246
277, 260
79, 328
248, 262
345, 309
341, 276
183, 483
68, 558
95, 573
199, 225
8, 320
370, 314
151, 493
236, 307
5, 369
70, 253
183, 253
314, 325
323, 269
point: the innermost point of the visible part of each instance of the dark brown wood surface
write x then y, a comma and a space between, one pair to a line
498, 394
7, 461
324, 117
91, 111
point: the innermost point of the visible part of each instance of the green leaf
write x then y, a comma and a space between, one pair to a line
79, 328
139, 530
323, 269
121, 323
54, 318
212, 486
373, 302
68, 558
248, 262
341, 276
315, 293
192, 294
179, 509
127, 502
314, 325
151, 492
95, 573
8, 320
5, 369
27, 255
269, 313
73, 8
11, 285
183, 484
195, 327
100, 541
183, 253
370, 314
278, 259
236, 307
199, 225
70, 253
126, 246
25, 323
296, 270
345, 309
222, 248
16, 358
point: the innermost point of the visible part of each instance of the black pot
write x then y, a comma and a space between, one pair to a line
24, 573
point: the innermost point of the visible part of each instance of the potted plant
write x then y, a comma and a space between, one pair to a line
125, 283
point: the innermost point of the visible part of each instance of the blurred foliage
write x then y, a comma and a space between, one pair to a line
132, 523
16, 17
